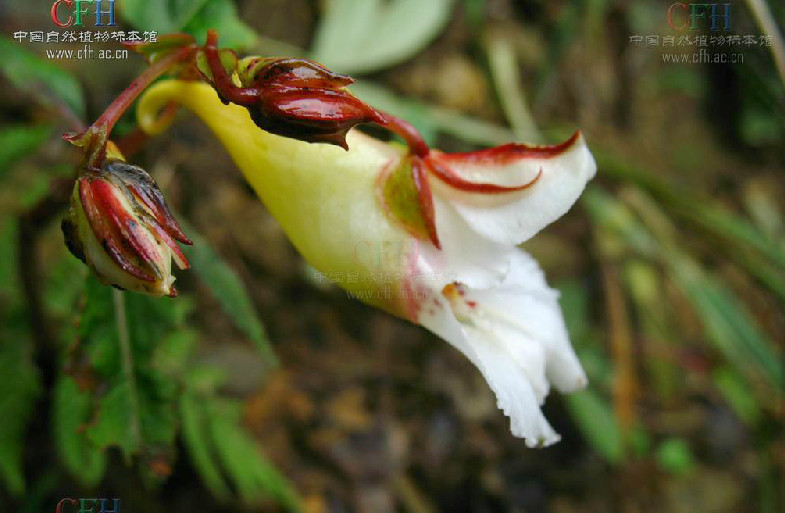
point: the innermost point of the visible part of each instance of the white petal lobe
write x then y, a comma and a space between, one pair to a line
514, 217
514, 333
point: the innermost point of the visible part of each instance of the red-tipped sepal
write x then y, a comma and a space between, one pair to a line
425, 199
508, 194
311, 115
120, 226
131, 254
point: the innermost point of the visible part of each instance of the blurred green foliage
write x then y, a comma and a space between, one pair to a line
129, 385
192, 17
361, 37
46, 81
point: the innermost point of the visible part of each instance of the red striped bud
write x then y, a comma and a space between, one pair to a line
120, 225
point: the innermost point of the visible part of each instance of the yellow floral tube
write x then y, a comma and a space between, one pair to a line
322, 195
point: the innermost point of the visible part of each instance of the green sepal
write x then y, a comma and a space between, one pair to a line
400, 199
228, 59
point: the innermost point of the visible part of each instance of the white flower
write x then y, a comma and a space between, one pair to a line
489, 298
456, 221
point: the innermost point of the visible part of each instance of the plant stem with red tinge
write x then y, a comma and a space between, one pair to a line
97, 135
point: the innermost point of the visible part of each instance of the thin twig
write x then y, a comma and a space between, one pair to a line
128, 363
625, 383
768, 26
117, 108
504, 71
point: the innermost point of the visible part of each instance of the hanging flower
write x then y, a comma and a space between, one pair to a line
120, 225
444, 230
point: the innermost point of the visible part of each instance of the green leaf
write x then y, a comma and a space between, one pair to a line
738, 395
645, 288
97, 333
728, 324
17, 142
230, 292
199, 445
475, 13
72, 410
221, 15
137, 411
19, 388
116, 424
163, 16
63, 286
29, 72
253, 475
574, 302
172, 355
140, 410
360, 36
193, 17
704, 213
504, 69
614, 216
224, 454
594, 417
674, 456
760, 126
9, 236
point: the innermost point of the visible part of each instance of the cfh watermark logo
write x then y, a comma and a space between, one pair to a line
385, 253
76, 10
69, 505
694, 16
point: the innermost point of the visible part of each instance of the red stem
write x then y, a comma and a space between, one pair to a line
414, 140
221, 79
94, 139
118, 107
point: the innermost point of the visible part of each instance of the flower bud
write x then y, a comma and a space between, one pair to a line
303, 100
294, 98
120, 226
288, 72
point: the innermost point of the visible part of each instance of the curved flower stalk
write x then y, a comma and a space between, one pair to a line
427, 236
